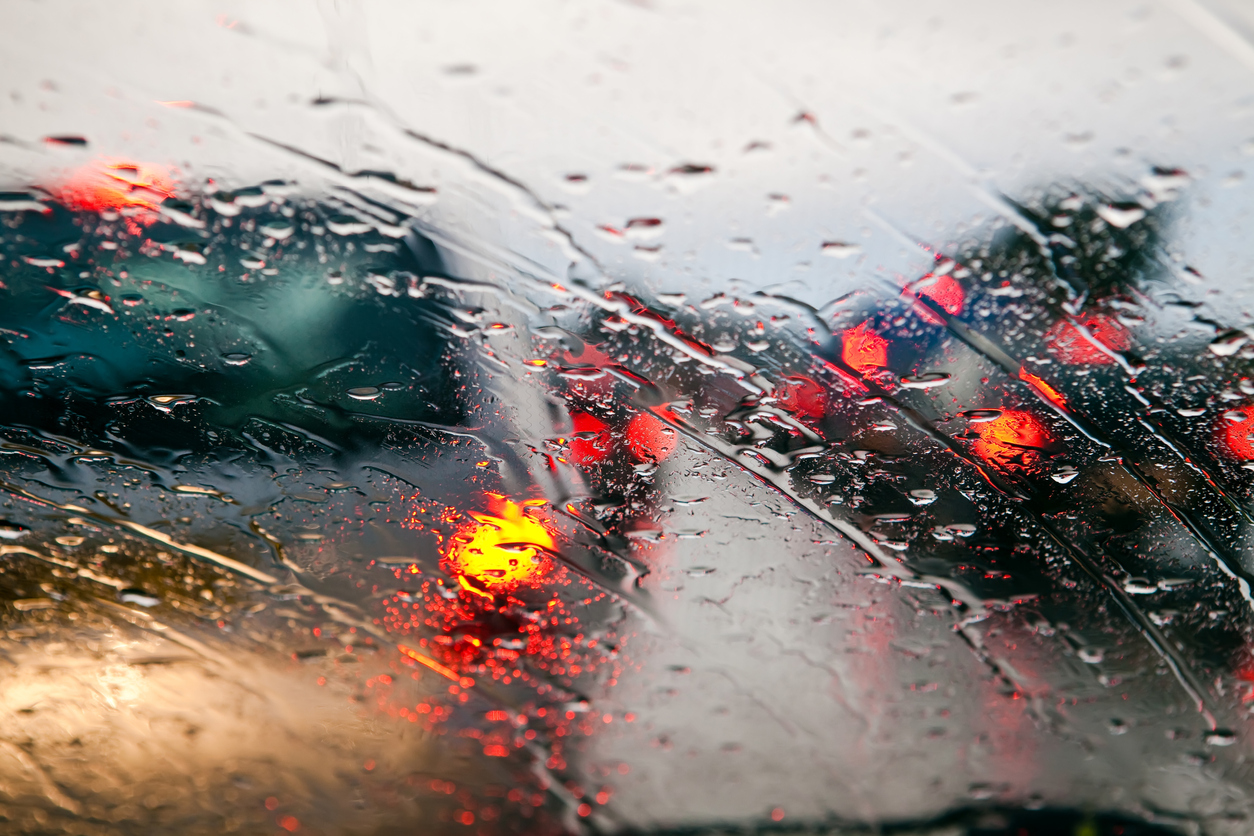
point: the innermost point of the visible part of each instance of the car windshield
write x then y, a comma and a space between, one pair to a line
627, 417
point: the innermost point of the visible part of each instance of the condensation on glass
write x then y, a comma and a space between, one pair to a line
626, 417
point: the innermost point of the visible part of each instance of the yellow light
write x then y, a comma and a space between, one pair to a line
503, 549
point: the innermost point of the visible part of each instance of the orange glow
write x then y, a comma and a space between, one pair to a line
516, 625
501, 550
447, 673
863, 349
650, 439
1235, 437
117, 184
1012, 440
1051, 394
945, 291
591, 440
1071, 347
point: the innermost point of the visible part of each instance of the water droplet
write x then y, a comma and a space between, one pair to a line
347, 225
1064, 474
236, 359
1120, 215
643, 228
255, 197
29, 604
181, 212
188, 252
1221, 737
364, 393
384, 285
1139, 586
585, 373
75, 141
224, 204
166, 403
922, 496
1229, 343
138, 597
839, 249
12, 530
21, 202
927, 380
981, 416
278, 229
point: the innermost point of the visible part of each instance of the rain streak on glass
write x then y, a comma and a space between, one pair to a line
825, 467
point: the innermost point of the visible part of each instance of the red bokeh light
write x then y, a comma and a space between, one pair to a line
863, 349
944, 290
1071, 347
1014, 440
802, 397
117, 184
590, 439
649, 439
1042, 388
1236, 438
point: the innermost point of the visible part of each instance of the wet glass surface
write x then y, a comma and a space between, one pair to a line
626, 417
